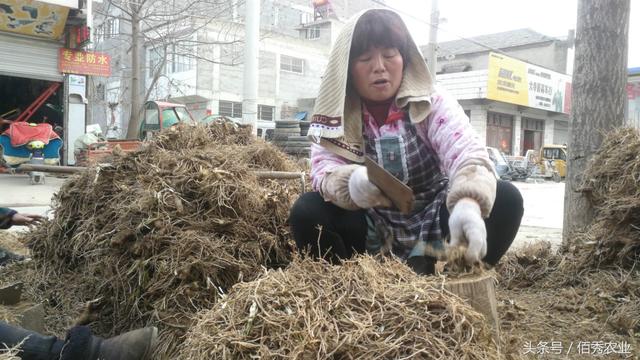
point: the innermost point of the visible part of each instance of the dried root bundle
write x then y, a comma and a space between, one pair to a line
363, 309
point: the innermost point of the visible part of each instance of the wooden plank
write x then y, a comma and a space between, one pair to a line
50, 168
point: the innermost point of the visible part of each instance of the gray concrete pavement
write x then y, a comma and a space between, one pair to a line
16, 192
543, 204
543, 213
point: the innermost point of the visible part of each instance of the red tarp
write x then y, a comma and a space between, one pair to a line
21, 133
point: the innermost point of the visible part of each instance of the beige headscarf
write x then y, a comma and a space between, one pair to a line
337, 118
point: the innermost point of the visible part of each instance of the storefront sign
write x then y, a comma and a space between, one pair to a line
517, 82
84, 62
33, 18
67, 3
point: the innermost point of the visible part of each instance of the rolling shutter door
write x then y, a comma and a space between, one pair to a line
29, 58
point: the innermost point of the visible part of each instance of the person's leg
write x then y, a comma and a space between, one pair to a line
326, 230
502, 224
81, 344
34, 347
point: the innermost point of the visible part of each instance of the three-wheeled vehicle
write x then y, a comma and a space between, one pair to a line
553, 161
157, 115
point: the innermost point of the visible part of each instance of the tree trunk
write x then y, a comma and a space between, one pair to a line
136, 103
479, 292
598, 98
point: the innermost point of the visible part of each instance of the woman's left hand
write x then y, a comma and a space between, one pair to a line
467, 228
364, 193
26, 219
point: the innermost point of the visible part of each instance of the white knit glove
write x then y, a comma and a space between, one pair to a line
467, 228
365, 194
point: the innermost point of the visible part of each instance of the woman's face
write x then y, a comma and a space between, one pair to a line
377, 73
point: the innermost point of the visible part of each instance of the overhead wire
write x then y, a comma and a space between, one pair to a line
496, 50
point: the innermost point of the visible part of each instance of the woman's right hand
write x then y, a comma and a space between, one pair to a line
468, 229
364, 193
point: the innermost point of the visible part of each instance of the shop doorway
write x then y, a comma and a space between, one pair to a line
500, 132
532, 134
16, 94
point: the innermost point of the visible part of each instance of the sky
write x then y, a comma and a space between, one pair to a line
469, 18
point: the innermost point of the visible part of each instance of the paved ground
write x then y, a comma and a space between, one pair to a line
543, 204
16, 192
543, 213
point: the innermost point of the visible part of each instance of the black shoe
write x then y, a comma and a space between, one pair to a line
133, 345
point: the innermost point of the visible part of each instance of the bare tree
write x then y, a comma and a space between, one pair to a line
170, 28
598, 99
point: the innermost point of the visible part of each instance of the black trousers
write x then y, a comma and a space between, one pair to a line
35, 347
344, 232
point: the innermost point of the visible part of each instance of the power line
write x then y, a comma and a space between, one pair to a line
379, 2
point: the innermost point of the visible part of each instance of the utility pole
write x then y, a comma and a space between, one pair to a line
88, 110
250, 84
90, 44
598, 99
432, 56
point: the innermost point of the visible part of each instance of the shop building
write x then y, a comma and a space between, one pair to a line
513, 86
34, 35
633, 98
205, 71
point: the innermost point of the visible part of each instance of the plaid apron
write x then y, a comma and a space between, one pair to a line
413, 162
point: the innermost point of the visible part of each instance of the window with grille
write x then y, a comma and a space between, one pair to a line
98, 34
111, 28
181, 59
499, 131
266, 112
306, 18
313, 33
155, 59
230, 109
532, 124
291, 64
501, 120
